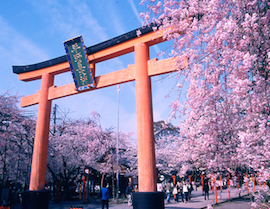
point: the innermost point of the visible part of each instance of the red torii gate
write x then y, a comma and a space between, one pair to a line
141, 72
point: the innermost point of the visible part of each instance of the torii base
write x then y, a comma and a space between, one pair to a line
148, 200
35, 199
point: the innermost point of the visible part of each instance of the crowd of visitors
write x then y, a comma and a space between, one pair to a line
179, 189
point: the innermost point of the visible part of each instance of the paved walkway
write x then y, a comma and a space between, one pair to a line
197, 201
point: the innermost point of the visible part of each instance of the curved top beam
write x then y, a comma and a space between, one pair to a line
90, 50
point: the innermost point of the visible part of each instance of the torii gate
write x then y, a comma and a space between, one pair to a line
141, 71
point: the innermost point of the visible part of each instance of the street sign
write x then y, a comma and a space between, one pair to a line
79, 66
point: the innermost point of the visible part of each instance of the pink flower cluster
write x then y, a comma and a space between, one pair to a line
227, 109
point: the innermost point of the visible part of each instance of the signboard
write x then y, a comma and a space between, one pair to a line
79, 66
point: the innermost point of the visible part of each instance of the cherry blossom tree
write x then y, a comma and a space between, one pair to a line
75, 144
166, 146
163, 128
16, 141
227, 107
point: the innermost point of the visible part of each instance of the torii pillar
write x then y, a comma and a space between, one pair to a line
145, 136
37, 197
140, 72
40, 151
147, 197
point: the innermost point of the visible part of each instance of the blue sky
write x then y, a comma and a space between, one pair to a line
34, 31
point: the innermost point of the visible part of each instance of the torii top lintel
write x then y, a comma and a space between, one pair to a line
114, 47
106, 50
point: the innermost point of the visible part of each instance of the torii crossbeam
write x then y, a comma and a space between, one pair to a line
141, 72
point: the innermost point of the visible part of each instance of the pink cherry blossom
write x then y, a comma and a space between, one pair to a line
225, 119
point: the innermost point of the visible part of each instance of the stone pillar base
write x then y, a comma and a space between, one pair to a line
35, 199
148, 200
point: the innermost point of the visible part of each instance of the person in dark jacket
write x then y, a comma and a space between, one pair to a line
206, 189
129, 191
105, 196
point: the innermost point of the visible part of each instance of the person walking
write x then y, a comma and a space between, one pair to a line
180, 190
168, 189
185, 190
105, 196
206, 189
175, 192
129, 191
190, 189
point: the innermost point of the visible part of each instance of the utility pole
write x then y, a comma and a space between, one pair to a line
54, 118
117, 145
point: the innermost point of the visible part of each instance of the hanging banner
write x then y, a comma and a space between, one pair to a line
79, 66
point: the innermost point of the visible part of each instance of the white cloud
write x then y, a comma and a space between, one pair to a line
17, 49
134, 9
71, 19
115, 19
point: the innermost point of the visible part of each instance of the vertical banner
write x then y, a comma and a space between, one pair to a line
76, 54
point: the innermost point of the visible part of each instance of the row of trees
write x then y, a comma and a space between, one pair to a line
225, 119
77, 143
226, 113
73, 145
16, 141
